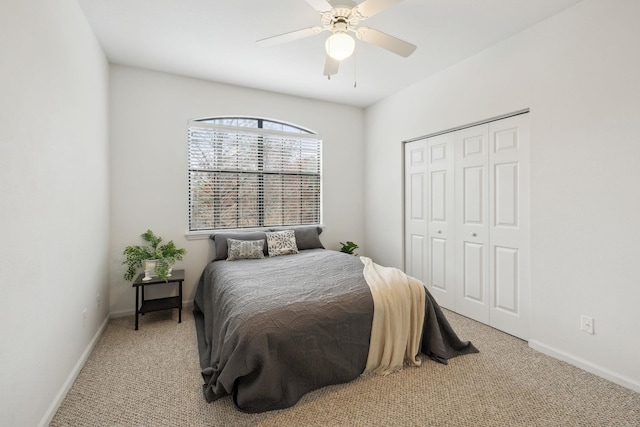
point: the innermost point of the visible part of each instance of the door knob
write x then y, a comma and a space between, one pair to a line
474, 234
439, 231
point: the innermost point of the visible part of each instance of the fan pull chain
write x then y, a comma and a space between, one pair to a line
355, 68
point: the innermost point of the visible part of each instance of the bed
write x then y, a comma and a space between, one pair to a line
276, 319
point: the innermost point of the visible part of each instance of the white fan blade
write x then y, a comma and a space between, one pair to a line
331, 66
368, 8
385, 41
320, 5
293, 35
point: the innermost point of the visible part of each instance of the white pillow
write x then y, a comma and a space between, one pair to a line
281, 243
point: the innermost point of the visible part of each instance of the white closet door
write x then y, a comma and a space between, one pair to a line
441, 219
467, 221
472, 222
416, 209
509, 230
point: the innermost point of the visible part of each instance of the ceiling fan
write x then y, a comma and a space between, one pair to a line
341, 20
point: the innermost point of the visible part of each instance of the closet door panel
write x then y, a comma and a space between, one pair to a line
506, 279
415, 209
438, 265
440, 194
473, 273
473, 195
472, 222
416, 255
416, 200
438, 232
506, 195
509, 202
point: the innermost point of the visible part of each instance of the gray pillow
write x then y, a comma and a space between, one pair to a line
220, 239
307, 236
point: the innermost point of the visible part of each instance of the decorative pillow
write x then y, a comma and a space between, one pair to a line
220, 239
281, 243
245, 249
307, 236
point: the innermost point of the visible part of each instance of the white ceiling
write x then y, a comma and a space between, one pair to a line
216, 40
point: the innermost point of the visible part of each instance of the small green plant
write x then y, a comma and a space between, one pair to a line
348, 247
166, 255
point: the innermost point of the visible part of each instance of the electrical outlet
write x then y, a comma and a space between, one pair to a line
84, 318
98, 300
586, 324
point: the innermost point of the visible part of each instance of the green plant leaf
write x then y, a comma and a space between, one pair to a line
166, 255
348, 247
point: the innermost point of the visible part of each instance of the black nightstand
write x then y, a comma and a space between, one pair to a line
177, 276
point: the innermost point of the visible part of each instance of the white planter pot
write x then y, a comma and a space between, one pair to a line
150, 268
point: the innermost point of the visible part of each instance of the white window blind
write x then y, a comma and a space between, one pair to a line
253, 173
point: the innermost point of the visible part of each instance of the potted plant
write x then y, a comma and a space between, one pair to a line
155, 259
348, 247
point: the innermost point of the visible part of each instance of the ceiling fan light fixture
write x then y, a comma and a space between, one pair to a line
340, 46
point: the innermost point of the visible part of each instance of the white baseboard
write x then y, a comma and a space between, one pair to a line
124, 313
53, 408
586, 365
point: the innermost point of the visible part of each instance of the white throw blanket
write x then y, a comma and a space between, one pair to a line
398, 315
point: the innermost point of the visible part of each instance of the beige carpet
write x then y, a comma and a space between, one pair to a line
151, 377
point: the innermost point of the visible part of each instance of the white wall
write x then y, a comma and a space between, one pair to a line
578, 73
149, 115
54, 227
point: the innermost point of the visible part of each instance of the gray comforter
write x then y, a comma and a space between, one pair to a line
270, 330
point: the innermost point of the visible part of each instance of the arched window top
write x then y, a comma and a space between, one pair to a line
255, 122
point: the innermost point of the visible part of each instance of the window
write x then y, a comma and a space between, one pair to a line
248, 172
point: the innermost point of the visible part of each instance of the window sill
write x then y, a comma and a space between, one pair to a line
204, 234
198, 235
